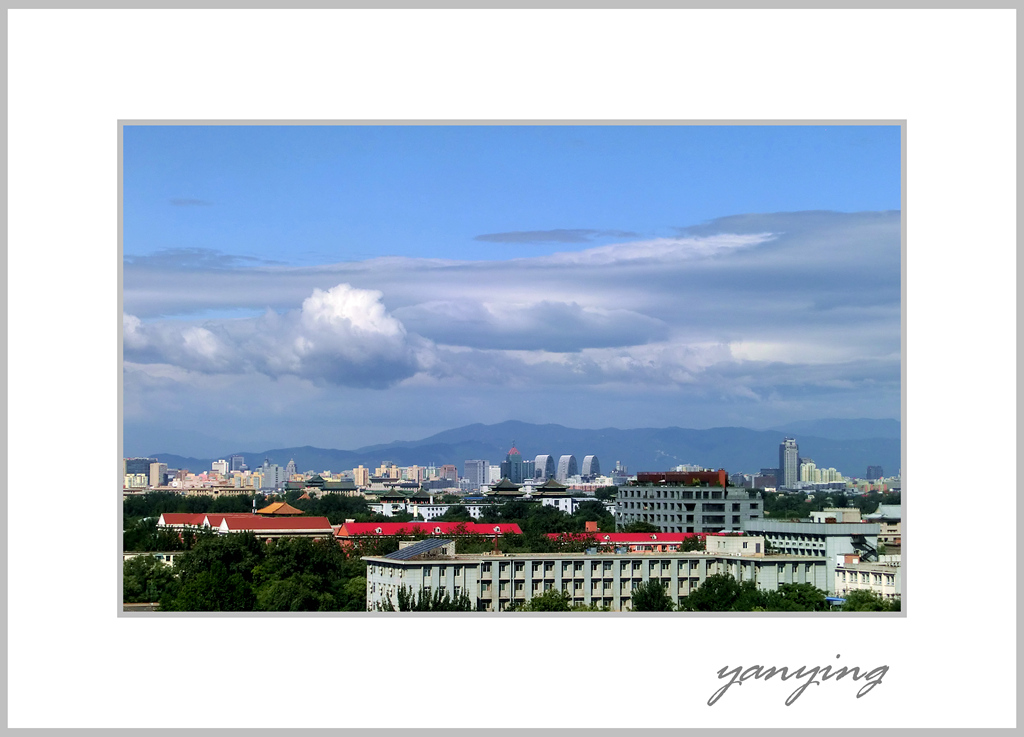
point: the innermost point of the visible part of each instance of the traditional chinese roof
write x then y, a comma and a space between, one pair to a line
279, 508
506, 487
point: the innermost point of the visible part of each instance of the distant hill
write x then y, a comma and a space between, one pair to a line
837, 429
737, 449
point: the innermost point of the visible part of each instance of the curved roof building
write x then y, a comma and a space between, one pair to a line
543, 467
566, 467
591, 466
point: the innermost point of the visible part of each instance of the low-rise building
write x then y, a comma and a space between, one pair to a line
494, 582
890, 523
851, 574
817, 539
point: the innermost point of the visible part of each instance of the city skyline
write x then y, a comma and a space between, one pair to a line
342, 286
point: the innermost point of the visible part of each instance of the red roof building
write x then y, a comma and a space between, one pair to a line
274, 527
400, 529
635, 542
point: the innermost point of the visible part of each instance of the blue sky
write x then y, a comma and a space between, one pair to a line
346, 285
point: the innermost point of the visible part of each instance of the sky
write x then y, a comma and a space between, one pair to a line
341, 286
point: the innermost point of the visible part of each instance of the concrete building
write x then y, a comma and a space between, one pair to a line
220, 467
543, 467
687, 508
789, 463
817, 539
476, 472
851, 574
836, 514
157, 474
494, 582
567, 468
512, 468
591, 467
889, 518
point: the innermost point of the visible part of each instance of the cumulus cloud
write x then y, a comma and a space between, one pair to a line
342, 336
758, 312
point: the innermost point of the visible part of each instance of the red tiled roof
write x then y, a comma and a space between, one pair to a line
388, 529
216, 519
237, 524
628, 538
182, 518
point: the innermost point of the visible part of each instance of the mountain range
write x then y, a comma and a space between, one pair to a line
849, 446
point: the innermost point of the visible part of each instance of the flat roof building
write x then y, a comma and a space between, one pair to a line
495, 582
687, 508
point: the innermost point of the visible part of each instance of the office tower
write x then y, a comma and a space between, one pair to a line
289, 470
449, 472
543, 467
220, 467
874, 473
237, 463
512, 466
591, 467
157, 474
566, 468
361, 475
137, 465
476, 472
789, 463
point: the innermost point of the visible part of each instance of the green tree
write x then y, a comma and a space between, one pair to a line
423, 601
607, 493
693, 544
651, 596
797, 597
552, 600
216, 575
145, 579
864, 600
718, 593
640, 526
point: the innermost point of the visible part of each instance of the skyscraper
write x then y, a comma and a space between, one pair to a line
591, 467
237, 463
512, 466
543, 467
874, 473
789, 463
566, 467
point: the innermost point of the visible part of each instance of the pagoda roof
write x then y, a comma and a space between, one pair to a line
552, 484
506, 486
279, 508
315, 480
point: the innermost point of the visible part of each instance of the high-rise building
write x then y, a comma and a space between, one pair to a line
361, 476
874, 473
157, 474
237, 463
512, 467
138, 465
566, 467
543, 467
289, 470
591, 467
273, 475
449, 472
789, 463
220, 467
476, 472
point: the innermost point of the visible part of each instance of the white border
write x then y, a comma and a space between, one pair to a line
73, 74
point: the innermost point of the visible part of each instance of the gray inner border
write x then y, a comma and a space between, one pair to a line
497, 616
